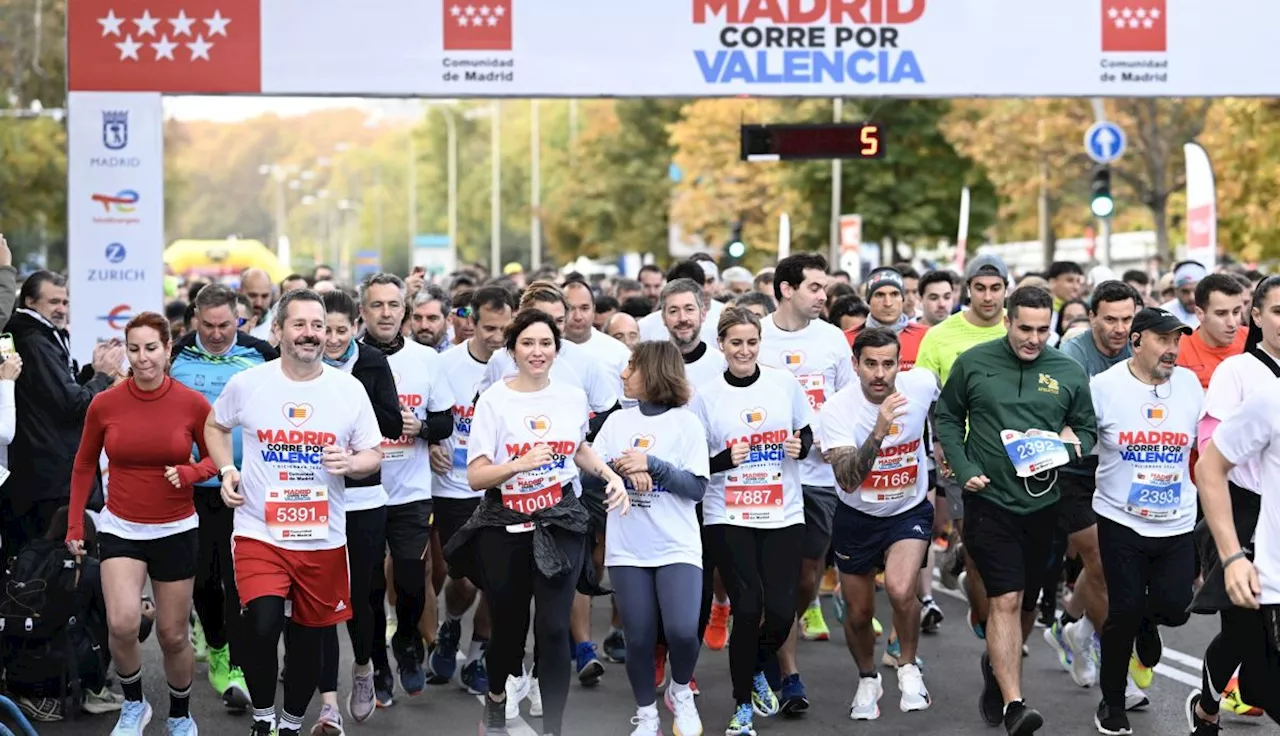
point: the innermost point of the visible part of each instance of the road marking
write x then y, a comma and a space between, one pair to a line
1168, 655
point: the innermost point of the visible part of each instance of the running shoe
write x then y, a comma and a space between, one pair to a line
262, 728
186, 726
219, 669
876, 627
763, 699
1134, 697
931, 616
590, 670
535, 698
198, 641
1232, 702
1196, 725
1141, 674
741, 723
41, 710
813, 627
1019, 720
384, 686
951, 566
646, 722
102, 701
683, 707
659, 666
134, 717
362, 701
444, 656
328, 723
693, 685
413, 677
866, 702
475, 677
830, 579
1111, 721
615, 647
794, 699
1084, 668
494, 721
717, 627
1149, 646
990, 701
911, 684
236, 696
1054, 638
517, 690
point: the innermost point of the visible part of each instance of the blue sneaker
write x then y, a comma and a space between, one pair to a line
475, 678
413, 678
763, 699
893, 654
794, 698
134, 717
181, 727
444, 657
590, 670
615, 647
1053, 637
740, 724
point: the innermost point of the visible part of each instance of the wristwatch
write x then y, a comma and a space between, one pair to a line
224, 469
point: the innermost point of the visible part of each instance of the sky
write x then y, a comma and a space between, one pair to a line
233, 109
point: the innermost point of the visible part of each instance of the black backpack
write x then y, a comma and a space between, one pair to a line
38, 609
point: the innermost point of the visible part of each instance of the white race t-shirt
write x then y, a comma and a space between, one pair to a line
899, 479
661, 528
764, 491
464, 375
1144, 450
1255, 431
509, 423
573, 365
821, 360
611, 355
406, 463
706, 369
1233, 381
290, 500
653, 328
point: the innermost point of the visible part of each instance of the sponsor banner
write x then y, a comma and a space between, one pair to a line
582, 48
1202, 207
115, 213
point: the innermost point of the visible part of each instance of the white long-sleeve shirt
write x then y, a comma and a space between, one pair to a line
8, 420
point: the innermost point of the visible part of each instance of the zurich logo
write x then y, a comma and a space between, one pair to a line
115, 253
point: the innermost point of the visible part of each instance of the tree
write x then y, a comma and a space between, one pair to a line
1242, 143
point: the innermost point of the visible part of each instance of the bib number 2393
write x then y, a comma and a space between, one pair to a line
1034, 452
1155, 494
297, 514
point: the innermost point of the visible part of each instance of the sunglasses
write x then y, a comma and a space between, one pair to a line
461, 312
241, 322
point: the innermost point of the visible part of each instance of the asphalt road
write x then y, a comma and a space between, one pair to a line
951, 673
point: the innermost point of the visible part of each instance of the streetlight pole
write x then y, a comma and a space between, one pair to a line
495, 186
535, 184
837, 183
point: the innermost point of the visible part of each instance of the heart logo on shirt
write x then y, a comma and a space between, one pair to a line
297, 414
754, 418
1154, 414
539, 425
793, 359
642, 442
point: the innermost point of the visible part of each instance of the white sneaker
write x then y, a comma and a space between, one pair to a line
1134, 697
911, 683
517, 691
646, 722
866, 703
1084, 670
535, 698
104, 701
688, 723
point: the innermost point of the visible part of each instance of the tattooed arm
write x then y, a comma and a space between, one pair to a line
851, 465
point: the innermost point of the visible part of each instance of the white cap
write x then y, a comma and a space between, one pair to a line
710, 269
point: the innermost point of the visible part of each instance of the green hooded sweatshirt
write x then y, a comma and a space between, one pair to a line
991, 389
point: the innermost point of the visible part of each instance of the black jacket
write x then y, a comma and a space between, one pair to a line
51, 407
374, 372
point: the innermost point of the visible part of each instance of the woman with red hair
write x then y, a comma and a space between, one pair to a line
147, 423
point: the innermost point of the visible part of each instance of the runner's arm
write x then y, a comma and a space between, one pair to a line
217, 440
951, 419
365, 463
851, 465
1082, 420
682, 483
1215, 500
438, 427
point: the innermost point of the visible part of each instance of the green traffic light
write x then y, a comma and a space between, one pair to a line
737, 249
1102, 206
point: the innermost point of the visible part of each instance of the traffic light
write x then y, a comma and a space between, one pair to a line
1100, 201
735, 249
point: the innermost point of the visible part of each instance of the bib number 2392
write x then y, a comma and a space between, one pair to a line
1034, 452
297, 514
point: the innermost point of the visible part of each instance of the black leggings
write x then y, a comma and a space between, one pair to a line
264, 622
216, 599
366, 541
510, 579
1225, 653
760, 569
1148, 578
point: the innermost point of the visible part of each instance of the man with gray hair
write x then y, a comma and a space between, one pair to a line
653, 326
428, 320
681, 308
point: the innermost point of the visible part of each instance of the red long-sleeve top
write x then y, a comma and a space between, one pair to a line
143, 432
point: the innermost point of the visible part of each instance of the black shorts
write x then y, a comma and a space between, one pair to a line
451, 514
169, 559
950, 490
409, 530
593, 499
861, 541
1011, 550
1075, 502
933, 483
820, 505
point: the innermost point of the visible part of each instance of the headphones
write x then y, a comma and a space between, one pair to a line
1136, 339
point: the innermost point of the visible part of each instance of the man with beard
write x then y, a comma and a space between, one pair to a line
937, 297
255, 285
1010, 414
653, 326
429, 318
1186, 276
306, 428
873, 435
425, 408
1219, 302
651, 282
681, 309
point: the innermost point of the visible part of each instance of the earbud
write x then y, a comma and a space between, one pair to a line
1137, 340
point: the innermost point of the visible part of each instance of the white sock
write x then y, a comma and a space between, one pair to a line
647, 711
265, 715
363, 669
815, 603
722, 601
678, 689
476, 651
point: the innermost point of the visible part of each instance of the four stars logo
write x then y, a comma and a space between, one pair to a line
182, 27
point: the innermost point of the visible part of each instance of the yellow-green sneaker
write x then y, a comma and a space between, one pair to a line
198, 642
219, 669
813, 627
876, 627
1142, 676
236, 695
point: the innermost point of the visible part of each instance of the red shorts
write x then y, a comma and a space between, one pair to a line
317, 582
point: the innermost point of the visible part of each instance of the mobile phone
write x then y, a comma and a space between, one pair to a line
6, 346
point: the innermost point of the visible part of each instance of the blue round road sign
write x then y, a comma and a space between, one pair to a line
1104, 142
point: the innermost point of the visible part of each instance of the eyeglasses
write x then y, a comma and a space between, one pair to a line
462, 312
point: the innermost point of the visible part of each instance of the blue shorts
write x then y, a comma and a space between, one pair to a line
861, 540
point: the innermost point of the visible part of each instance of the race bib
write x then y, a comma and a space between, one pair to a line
530, 493
753, 494
295, 514
892, 478
814, 386
1155, 494
1034, 452
399, 450
459, 470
